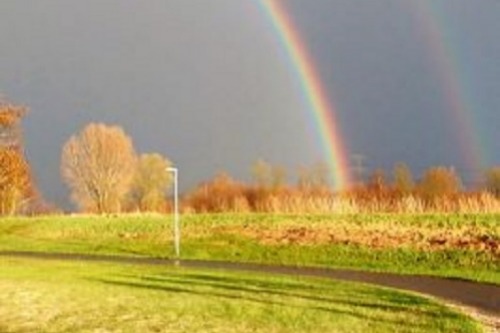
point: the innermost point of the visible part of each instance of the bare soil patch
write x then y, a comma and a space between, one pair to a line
373, 237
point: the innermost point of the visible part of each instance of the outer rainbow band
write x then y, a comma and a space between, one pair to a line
444, 56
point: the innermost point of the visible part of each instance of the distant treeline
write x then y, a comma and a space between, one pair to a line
106, 175
439, 190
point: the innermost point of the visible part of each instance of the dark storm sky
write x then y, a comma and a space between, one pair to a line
206, 83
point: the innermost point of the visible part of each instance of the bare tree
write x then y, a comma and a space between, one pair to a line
150, 182
314, 178
98, 165
262, 173
267, 176
403, 178
377, 181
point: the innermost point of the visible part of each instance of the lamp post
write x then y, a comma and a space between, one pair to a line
177, 233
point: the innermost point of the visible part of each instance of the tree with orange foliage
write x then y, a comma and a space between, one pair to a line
10, 113
98, 165
15, 181
16, 187
492, 178
439, 182
10, 129
221, 194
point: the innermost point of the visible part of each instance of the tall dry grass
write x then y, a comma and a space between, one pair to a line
226, 195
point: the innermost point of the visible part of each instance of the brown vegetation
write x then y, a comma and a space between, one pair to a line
439, 190
15, 181
377, 237
10, 114
493, 181
151, 181
17, 191
222, 194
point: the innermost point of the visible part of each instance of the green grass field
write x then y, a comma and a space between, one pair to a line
463, 246
53, 296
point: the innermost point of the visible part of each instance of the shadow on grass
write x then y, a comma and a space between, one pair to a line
419, 314
248, 286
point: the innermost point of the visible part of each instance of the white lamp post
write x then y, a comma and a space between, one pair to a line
177, 233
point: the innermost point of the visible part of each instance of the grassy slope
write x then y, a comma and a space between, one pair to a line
53, 296
203, 239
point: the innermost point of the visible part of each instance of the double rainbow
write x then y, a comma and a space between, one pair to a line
444, 59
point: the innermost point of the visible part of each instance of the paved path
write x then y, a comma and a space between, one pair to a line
483, 297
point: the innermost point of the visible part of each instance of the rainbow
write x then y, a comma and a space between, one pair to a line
322, 111
446, 63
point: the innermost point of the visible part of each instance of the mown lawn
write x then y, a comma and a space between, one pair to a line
53, 296
463, 246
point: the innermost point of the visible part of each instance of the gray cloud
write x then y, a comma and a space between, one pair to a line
207, 84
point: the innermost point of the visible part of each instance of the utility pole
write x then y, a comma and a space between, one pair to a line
358, 168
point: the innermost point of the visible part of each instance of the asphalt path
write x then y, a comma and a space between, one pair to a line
483, 297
